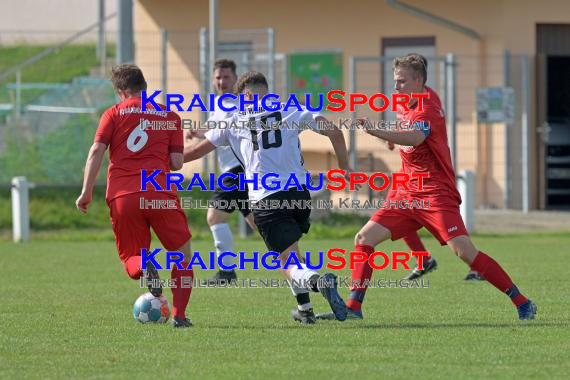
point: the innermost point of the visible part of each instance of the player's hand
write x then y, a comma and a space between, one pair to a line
83, 202
349, 170
195, 134
391, 145
365, 121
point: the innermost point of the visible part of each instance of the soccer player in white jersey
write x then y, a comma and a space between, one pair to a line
277, 150
224, 79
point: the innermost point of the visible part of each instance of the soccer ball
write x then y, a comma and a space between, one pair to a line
151, 309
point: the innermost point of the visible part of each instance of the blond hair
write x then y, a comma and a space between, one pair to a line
414, 62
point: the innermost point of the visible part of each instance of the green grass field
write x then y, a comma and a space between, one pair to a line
59, 67
66, 313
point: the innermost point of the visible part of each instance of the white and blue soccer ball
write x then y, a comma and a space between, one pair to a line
151, 309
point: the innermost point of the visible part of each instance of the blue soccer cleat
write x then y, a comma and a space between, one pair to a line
350, 315
527, 310
331, 295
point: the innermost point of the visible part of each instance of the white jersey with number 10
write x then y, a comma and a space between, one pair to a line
269, 144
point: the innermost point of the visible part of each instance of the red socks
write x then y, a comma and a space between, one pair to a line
180, 293
414, 243
181, 290
483, 264
497, 277
361, 272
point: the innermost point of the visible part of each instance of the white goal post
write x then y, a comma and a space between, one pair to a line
20, 209
466, 188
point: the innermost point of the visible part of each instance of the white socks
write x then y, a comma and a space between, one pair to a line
300, 284
224, 241
301, 275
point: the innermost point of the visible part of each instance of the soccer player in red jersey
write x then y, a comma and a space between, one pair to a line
138, 140
425, 150
414, 243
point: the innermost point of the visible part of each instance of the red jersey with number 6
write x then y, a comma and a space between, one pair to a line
132, 147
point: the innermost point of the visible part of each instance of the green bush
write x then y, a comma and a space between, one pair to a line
58, 67
57, 157
54, 209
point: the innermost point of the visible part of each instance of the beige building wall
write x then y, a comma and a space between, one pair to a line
357, 27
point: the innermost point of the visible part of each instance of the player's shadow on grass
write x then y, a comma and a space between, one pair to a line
396, 326
515, 324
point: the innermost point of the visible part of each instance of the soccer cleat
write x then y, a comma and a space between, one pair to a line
152, 274
417, 273
350, 315
474, 276
331, 295
222, 276
181, 323
305, 317
527, 310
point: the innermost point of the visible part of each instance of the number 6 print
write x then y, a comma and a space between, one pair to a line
137, 139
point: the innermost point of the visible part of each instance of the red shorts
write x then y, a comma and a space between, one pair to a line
442, 221
131, 224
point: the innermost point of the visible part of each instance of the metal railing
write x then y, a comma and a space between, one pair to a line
17, 70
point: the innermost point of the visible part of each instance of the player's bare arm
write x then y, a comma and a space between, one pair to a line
176, 161
199, 150
338, 142
408, 138
92, 167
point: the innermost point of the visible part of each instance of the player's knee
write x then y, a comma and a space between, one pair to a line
211, 219
132, 265
361, 238
465, 252
132, 272
463, 255
186, 250
216, 217
249, 219
457, 251
283, 256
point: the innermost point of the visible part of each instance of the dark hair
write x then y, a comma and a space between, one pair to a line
128, 77
415, 62
225, 64
250, 80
